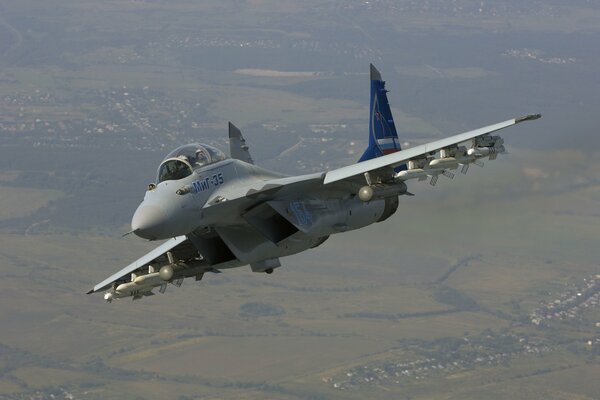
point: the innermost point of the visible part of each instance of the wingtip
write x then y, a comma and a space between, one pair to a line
90, 291
529, 117
375, 74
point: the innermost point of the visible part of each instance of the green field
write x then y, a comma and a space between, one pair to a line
340, 311
21, 202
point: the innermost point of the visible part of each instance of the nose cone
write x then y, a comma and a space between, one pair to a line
148, 222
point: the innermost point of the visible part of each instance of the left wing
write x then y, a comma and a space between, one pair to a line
161, 265
403, 156
139, 263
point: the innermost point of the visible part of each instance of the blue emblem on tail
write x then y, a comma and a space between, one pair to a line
383, 138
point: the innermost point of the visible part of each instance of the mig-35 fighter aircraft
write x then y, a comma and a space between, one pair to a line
220, 212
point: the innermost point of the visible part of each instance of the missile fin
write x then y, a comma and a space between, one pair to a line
177, 282
368, 179
448, 174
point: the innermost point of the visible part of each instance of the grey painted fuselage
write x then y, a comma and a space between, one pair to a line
275, 228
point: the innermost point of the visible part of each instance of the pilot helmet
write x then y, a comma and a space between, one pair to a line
202, 156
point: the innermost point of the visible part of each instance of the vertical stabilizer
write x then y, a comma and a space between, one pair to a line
237, 145
383, 138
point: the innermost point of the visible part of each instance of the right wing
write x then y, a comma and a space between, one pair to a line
396, 159
239, 198
236, 199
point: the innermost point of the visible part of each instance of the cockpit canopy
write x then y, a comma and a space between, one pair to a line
182, 161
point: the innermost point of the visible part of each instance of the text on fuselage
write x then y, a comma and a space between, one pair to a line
208, 182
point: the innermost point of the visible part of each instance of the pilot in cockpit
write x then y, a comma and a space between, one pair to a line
178, 170
202, 157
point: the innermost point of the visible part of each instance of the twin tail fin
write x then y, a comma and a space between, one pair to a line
383, 138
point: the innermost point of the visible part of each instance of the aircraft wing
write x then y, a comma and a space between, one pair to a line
240, 198
175, 245
401, 157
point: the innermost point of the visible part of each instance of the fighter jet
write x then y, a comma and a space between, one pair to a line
220, 212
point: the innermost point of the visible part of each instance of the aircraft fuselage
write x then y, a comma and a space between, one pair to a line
274, 229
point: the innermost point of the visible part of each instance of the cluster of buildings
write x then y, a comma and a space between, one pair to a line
92, 118
570, 304
188, 41
58, 393
473, 353
334, 47
459, 8
536, 55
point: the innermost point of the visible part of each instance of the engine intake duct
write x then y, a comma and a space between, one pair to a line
270, 223
213, 248
391, 206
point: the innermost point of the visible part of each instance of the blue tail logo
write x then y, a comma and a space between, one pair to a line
383, 138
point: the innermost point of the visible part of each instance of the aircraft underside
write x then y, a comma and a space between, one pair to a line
268, 232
